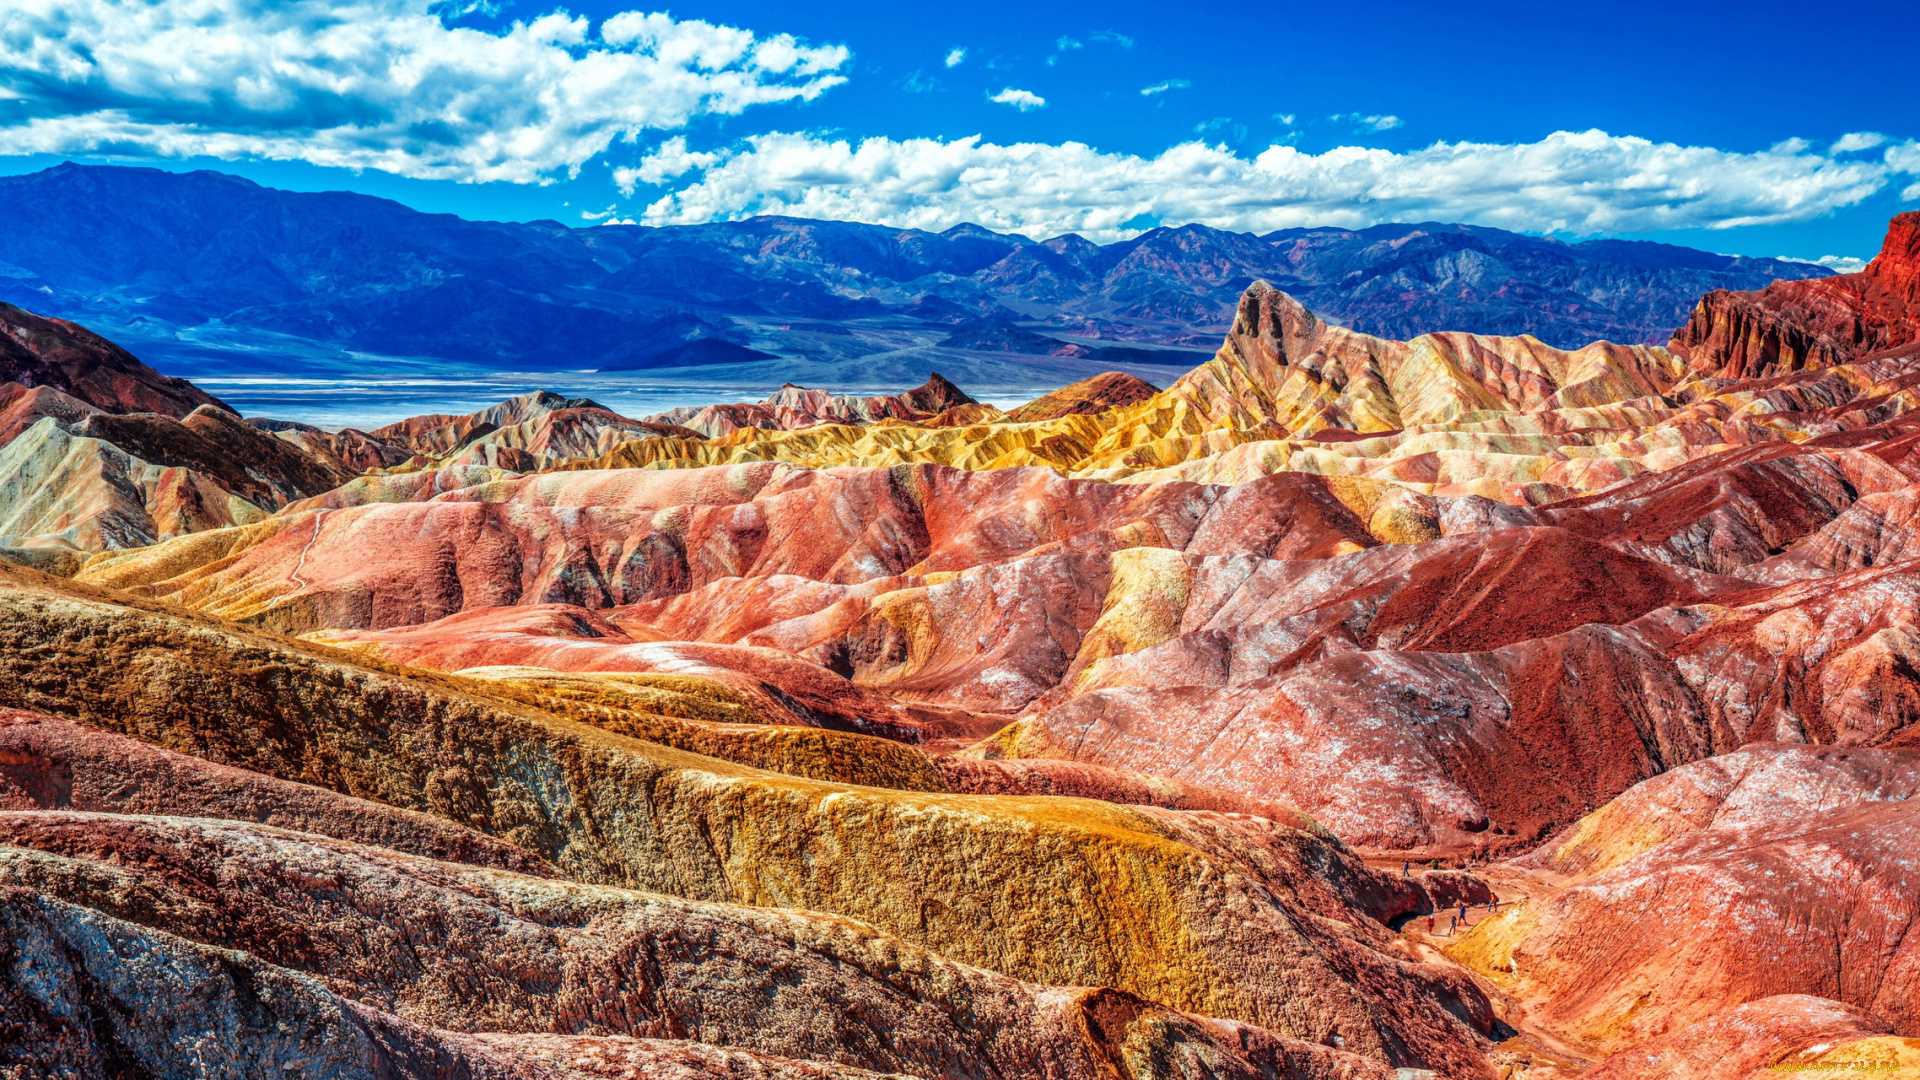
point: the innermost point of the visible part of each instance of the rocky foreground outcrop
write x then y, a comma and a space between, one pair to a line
1233, 917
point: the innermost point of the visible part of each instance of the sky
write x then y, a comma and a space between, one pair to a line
1763, 130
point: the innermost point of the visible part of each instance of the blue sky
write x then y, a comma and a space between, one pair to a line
1765, 130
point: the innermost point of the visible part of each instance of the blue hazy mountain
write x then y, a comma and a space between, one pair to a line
207, 272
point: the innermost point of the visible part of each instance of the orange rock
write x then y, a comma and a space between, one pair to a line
1777, 870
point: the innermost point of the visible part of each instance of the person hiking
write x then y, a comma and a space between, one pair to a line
1429, 923
1453, 925
1406, 867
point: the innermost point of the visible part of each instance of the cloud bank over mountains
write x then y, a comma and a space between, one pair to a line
375, 84
1569, 182
406, 87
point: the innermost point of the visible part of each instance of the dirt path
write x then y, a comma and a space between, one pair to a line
299, 582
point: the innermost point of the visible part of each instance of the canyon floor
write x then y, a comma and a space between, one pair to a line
1349, 709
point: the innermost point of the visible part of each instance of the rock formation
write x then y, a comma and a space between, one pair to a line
1792, 325
794, 407
57, 355
1121, 735
1305, 911
1698, 895
1093, 396
97, 480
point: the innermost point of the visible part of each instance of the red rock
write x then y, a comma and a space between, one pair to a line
1753, 787
794, 407
1824, 661
1731, 510
1743, 1042
21, 407
351, 449
1783, 871
1791, 325
57, 354
1404, 750
1110, 390
539, 421
779, 687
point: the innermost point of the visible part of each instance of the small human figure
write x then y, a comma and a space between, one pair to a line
1429, 924
1463, 910
1406, 868
1453, 925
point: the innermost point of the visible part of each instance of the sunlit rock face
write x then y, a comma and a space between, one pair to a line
1794, 325
1275, 926
1673, 915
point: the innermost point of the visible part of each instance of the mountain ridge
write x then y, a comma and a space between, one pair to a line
214, 272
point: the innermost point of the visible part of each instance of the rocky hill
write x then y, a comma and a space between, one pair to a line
1791, 325
53, 354
1352, 708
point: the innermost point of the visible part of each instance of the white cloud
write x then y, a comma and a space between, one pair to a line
1024, 100
1112, 37
1857, 140
1065, 43
1163, 87
1844, 264
374, 84
1569, 182
669, 161
956, 57
1905, 158
1285, 118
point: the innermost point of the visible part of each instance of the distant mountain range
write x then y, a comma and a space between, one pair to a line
205, 273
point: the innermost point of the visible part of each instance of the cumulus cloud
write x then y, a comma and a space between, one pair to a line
375, 84
669, 161
1905, 158
1857, 140
956, 57
1163, 87
1024, 100
1066, 43
1843, 264
1569, 182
